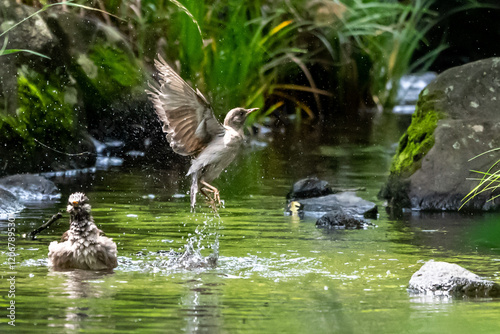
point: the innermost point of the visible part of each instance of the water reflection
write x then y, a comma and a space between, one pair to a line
77, 285
274, 274
201, 305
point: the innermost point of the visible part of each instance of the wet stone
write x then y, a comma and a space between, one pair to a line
349, 202
448, 279
314, 198
30, 187
309, 187
339, 219
8, 204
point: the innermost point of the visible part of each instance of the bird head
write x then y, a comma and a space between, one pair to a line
78, 204
236, 117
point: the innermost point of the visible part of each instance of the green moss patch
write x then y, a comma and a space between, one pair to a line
416, 142
43, 112
117, 71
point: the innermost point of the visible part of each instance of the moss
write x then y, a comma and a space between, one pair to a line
416, 142
117, 71
42, 112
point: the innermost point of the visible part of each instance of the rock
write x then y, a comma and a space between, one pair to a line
456, 119
8, 204
447, 279
346, 201
309, 187
29, 187
339, 219
35, 36
93, 84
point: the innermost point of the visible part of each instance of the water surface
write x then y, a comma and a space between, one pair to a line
275, 274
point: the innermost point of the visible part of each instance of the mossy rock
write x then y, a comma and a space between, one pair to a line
456, 119
46, 117
416, 142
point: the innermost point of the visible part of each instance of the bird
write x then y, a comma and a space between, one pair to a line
83, 246
193, 130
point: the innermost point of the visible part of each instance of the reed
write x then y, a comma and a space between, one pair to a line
243, 52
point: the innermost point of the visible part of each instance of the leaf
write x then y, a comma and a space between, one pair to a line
10, 51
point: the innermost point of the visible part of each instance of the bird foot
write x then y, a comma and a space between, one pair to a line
216, 195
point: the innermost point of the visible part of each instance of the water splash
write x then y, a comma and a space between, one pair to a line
201, 251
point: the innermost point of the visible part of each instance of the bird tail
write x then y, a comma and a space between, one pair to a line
194, 189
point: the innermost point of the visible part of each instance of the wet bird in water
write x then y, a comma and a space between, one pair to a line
192, 130
83, 246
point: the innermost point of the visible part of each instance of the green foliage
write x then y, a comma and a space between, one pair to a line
43, 113
489, 181
242, 53
116, 71
376, 40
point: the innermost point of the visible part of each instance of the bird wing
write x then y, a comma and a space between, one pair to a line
188, 119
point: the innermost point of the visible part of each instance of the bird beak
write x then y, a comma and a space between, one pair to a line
249, 111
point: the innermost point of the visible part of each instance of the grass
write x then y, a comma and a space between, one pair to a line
250, 53
376, 40
489, 181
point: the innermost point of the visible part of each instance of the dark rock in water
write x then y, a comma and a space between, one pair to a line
309, 187
8, 204
339, 219
346, 201
30, 187
456, 119
447, 279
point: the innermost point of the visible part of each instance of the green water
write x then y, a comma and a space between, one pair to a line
275, 274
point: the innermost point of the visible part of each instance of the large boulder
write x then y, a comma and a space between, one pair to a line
92, 84
448, 279
30, 187
457, 118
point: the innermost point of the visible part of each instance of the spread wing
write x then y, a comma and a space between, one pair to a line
187, 117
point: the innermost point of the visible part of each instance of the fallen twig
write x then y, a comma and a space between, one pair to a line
33, 233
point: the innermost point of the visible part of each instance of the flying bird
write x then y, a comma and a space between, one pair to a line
192, 130
83, 246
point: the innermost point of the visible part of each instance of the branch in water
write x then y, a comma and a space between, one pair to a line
33, 233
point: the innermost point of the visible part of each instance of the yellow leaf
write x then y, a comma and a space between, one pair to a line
280, 26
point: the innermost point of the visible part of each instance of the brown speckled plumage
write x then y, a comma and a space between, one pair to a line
83, 246
192, 129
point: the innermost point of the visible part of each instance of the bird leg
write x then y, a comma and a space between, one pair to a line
213, 190
212, 203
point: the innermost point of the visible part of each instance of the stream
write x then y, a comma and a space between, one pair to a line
252, 269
